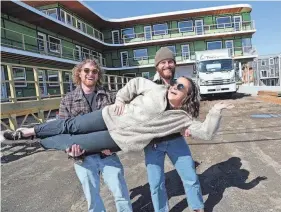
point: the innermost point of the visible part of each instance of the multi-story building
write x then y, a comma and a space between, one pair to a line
268, 69
59, 34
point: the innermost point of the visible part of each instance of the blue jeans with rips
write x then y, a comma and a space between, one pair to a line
113, 174
179, 153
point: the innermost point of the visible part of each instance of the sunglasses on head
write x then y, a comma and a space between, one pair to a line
87, 71
179, 85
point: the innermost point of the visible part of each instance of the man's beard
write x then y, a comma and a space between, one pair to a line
165, 76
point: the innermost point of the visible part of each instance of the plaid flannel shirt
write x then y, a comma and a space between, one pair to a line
74, 103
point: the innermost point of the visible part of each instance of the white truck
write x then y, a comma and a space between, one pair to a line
215, 72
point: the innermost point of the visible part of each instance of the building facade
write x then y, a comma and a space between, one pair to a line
59, 34
268, 70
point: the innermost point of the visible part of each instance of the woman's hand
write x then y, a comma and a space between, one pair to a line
222, 105
119, 108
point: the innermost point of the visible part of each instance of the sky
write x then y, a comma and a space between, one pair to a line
266, 15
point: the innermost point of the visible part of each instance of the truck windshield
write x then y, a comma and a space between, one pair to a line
215, 65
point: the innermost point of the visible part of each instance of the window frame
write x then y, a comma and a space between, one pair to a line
134, 35
140, 58
192, 27
19, 78
213, 42
166, 31
60, 49
271, 59
230, 23
46, 11
53, 75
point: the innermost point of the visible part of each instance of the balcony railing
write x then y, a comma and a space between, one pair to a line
29, 43
189, 31
187, 57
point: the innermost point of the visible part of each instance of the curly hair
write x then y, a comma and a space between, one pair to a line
78, 68
192, 104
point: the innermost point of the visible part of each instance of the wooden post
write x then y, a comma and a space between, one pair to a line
13, 121
122, 81
41, 116
12, 83
116, 83
36, 83
61, 83
108, 82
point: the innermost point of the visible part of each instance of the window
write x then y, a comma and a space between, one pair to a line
53, 77
263, 62
247, 45
62, 16
127, 33
160, 29
85, 53
172, 48
68, 81
54, 44
19, 75
185, 26
81, 26
69, 19
214, 45
115, 37
74, 21
185, 52
140, 54
272, 72
51, 12
271, 61
263, 73
84, 28
224, 22
145, 75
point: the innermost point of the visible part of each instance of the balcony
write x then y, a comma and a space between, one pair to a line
184, 58
43, 47
191, 32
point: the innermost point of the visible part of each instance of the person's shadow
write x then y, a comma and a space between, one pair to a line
213, 181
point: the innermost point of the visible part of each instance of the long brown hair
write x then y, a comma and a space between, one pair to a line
78, 68
192, 103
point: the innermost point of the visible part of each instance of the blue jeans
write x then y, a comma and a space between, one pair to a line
113, 175
179, 153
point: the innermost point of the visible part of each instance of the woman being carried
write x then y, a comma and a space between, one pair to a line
143, 111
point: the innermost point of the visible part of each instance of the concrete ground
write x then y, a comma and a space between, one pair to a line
239, 170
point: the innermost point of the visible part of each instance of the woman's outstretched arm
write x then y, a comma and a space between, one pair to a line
205, 130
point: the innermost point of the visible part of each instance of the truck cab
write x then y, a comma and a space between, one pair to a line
215, 72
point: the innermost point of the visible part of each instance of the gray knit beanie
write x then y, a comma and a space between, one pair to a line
164, 53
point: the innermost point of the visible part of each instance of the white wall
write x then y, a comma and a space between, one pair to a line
253, 90
186, 71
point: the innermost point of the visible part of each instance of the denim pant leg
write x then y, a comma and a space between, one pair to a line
87, 123
88, 174
154, 159
113, 175
91, 142
180, 155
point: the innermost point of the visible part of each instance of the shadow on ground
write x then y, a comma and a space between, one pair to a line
214, 181
14, 151
223, 96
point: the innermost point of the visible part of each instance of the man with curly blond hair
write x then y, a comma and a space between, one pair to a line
88, 96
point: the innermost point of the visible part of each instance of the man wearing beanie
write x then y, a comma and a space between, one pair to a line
174, 146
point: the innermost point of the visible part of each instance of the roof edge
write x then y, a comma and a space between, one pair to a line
120, 20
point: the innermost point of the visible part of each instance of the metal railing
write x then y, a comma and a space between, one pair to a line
189, 31
95, 33
38, 103
186, 57
13, 39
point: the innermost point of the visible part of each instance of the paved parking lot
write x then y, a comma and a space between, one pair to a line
239, 170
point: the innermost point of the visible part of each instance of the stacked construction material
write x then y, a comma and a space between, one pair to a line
270, 96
